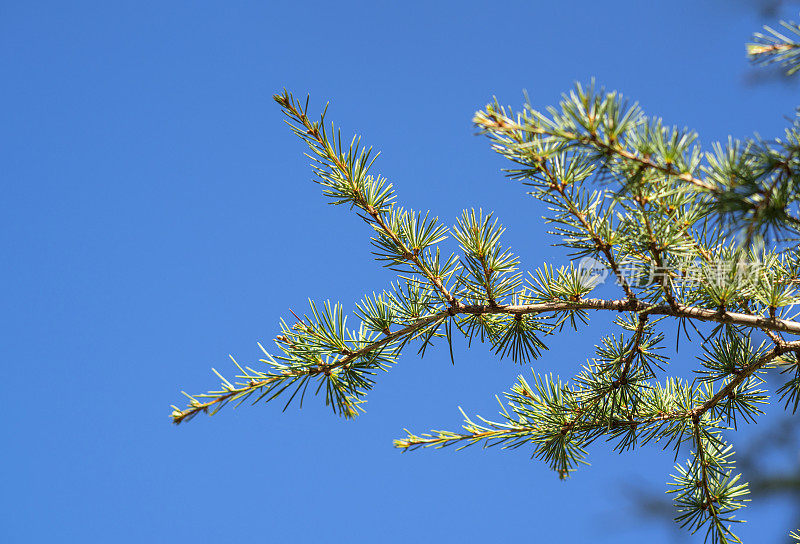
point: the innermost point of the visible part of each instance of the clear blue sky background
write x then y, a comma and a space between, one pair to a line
157, 215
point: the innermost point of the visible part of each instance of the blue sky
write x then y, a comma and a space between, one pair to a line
157, 216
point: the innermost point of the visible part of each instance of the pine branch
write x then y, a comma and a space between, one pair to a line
774, 47
707, 493
495, 122
230, 393
266, 383
656, 251
602, 245
651, 212
745, 373
635, 344
345, 166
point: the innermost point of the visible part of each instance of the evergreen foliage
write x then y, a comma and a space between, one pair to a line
688, 235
